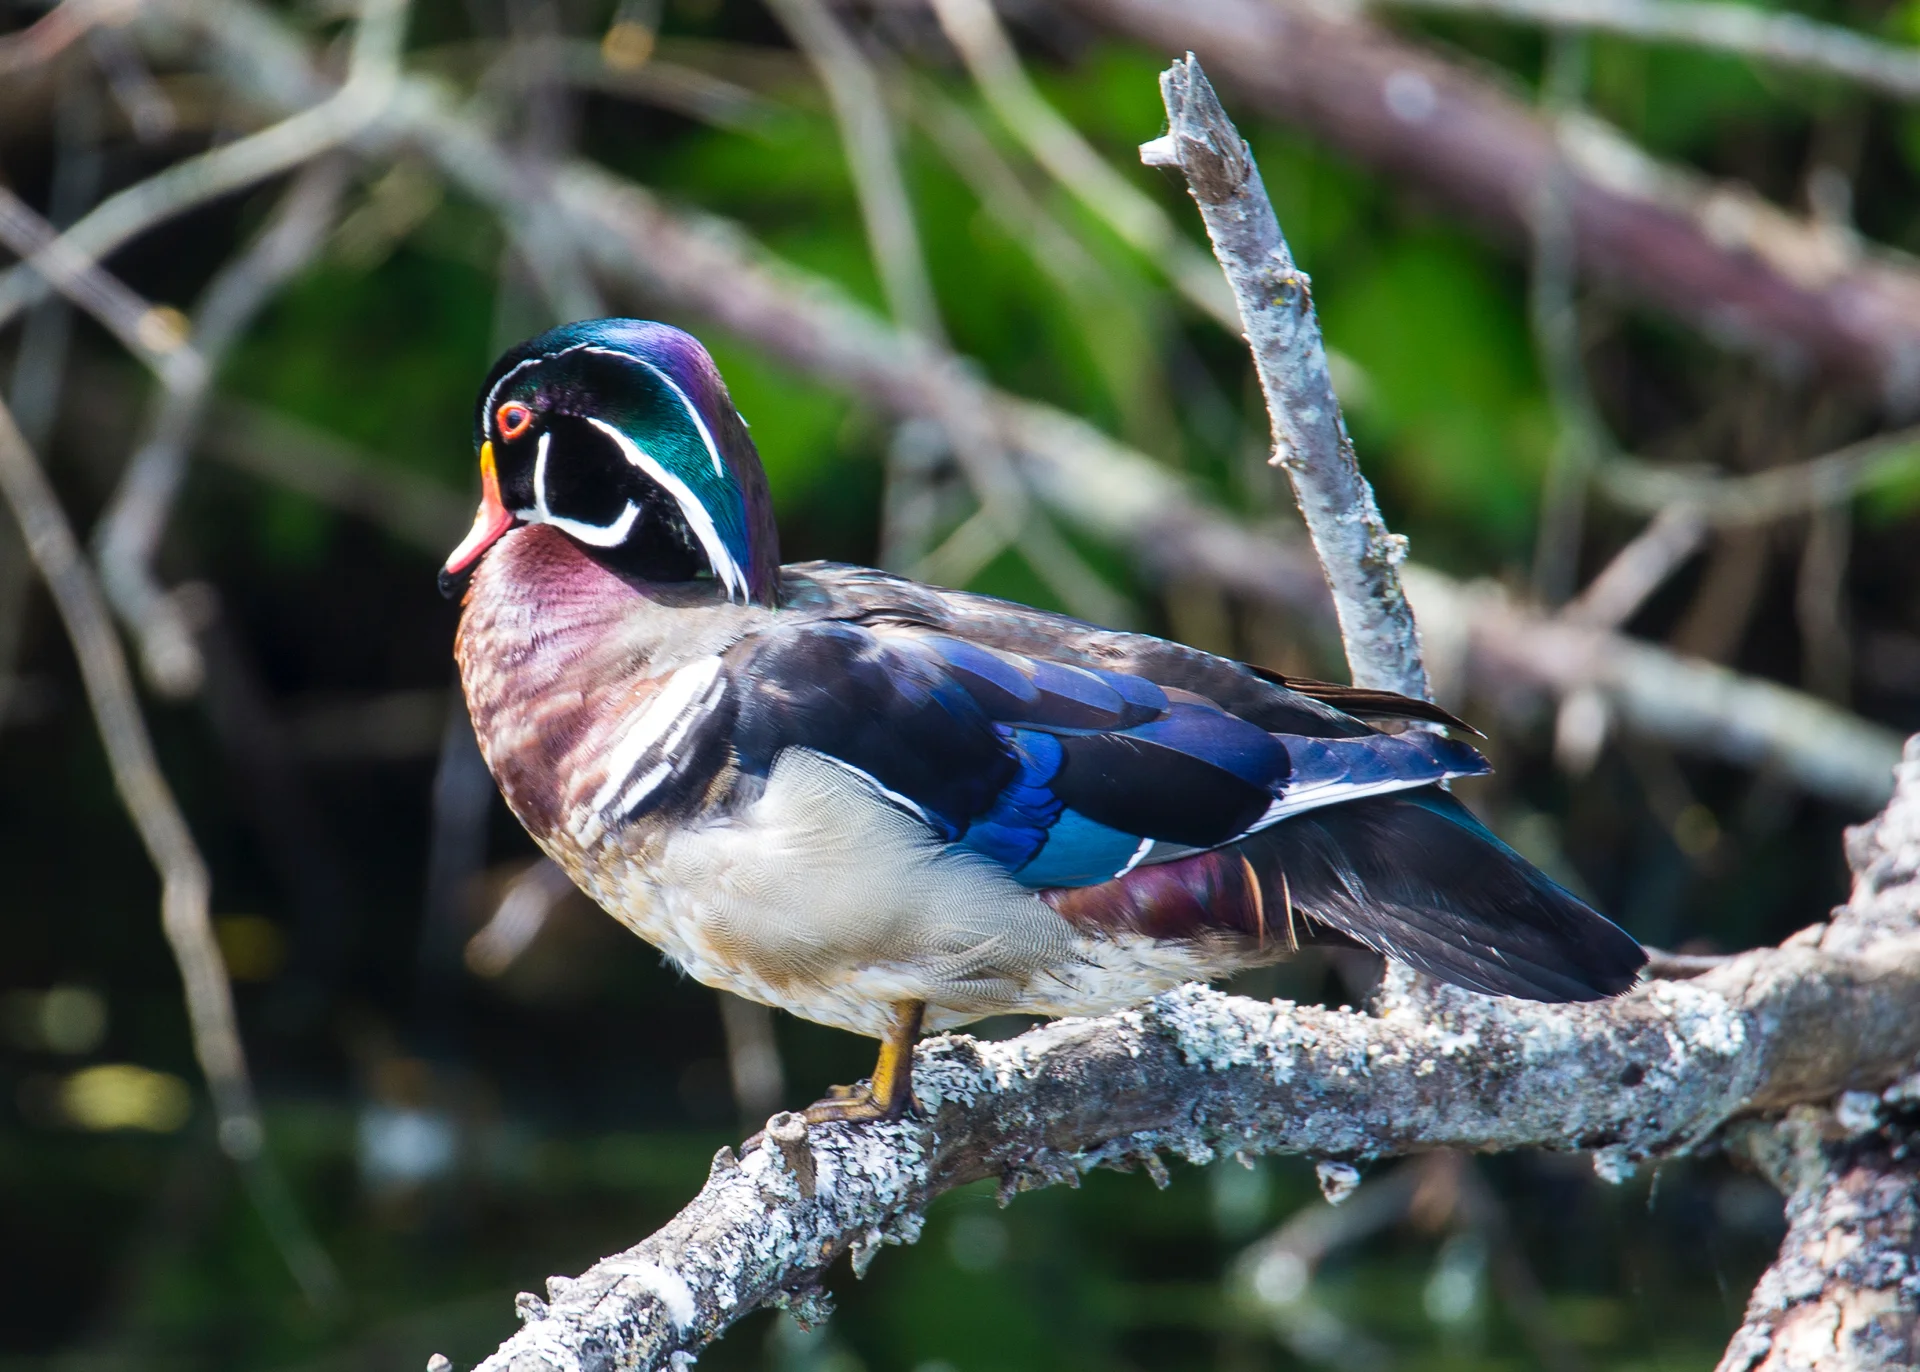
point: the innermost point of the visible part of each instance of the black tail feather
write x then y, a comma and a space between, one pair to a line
1415, 876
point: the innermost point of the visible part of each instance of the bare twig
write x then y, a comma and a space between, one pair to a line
150, 803
362, 100
1639, 569
1005, 517
1275, 1276
41, 360
1121, 341
974, 29
1748, 275
148, 111
518, 918
1820, 605
53, 32
1791, 489
672, 86
866, 133
1360, 558
154, 334
1692, 705
1556, 336
130, 529
1778, 38
753, 1058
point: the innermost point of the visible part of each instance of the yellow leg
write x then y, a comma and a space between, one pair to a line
890, 1092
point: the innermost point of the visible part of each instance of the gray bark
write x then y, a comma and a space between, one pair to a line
1360, 558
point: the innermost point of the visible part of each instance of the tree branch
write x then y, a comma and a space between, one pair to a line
136, 517
150, 803
1745, 273
1778, 39
1360, 558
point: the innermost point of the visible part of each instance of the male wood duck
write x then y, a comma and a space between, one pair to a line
885, 806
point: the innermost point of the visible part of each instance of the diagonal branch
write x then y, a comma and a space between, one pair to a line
151, 333
1779, 39
1360, 558
130, 530
304, 135
1745, 273
150, 803
974, 29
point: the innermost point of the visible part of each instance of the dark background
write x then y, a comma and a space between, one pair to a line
453, 1138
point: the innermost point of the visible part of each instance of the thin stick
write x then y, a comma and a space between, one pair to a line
1555, 316
1780, 39
51, 34
1360, 557
866, 133
973, 28
1727, 501
152, 333
1006, 517
372, 80
136, 517
1639, 569
150, 803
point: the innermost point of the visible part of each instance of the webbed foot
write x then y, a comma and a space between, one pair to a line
888, 1096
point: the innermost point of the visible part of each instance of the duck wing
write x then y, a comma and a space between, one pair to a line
1060, 773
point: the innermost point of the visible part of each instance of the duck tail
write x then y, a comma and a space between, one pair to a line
1412, 875
1415, 876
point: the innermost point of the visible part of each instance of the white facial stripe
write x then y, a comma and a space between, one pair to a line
685, 693
486, 416
695, 513
693, 412
540, 505
597, 535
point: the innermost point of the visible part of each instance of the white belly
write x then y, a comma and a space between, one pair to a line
825, 900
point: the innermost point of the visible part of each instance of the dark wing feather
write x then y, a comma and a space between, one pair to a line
1365, 703
1412, 875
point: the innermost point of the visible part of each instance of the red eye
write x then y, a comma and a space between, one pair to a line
514, 420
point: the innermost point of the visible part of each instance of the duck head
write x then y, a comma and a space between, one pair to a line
620, 434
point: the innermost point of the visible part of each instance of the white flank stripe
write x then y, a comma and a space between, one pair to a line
696, 514
1333, 793
1146, 846
681, 692
912, 807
